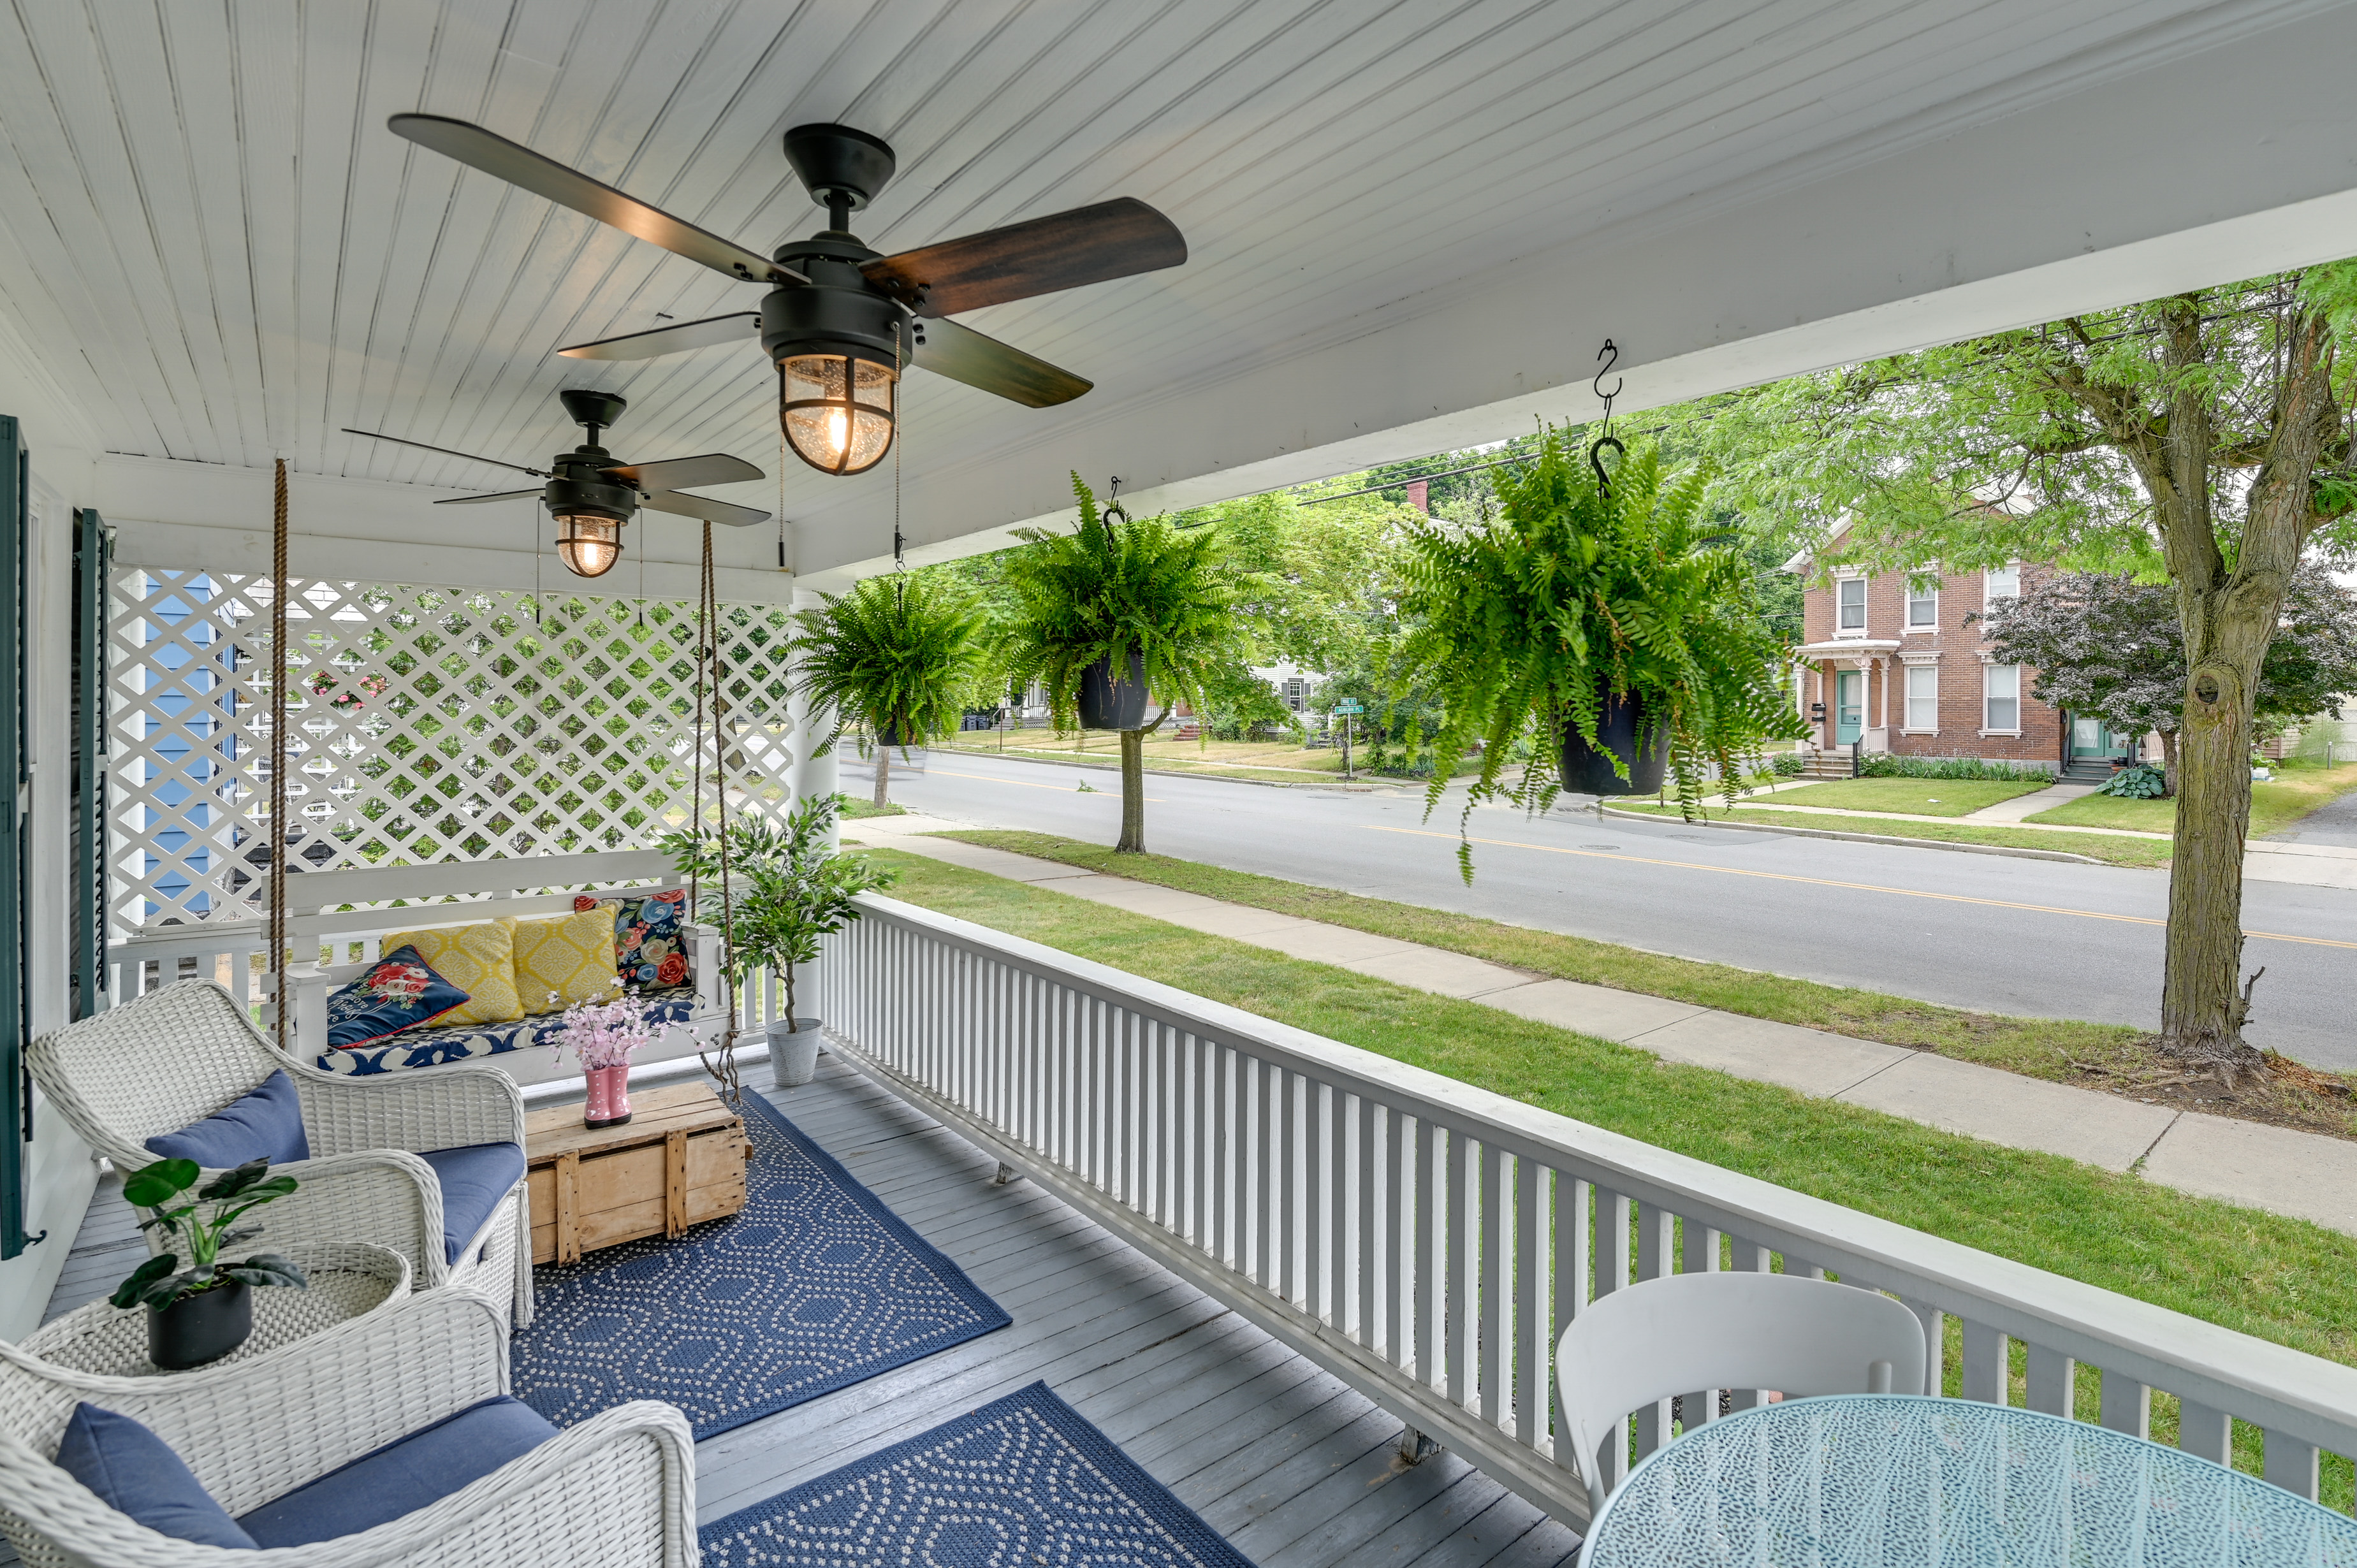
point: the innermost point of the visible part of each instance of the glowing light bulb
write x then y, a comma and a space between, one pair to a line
838, 431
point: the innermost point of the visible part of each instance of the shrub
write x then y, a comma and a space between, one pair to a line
1787, 764
1887, 765
2144, 781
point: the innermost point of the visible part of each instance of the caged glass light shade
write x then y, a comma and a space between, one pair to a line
838, 411
588, 544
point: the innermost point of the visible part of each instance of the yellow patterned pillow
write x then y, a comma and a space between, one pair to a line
480, 960
572, 955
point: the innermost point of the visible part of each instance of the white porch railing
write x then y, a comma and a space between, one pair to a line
1429, 1241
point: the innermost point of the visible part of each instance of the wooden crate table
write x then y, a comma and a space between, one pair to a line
679, 1161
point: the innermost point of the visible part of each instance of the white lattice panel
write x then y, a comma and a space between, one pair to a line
430, 724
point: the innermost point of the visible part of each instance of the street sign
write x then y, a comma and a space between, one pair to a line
1349, 706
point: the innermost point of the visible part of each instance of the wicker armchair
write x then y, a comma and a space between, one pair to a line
157, 1063
615, 1490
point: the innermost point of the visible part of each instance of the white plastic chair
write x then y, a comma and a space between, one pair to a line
1687, 1332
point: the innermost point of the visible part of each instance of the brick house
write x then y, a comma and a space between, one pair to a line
1891, 659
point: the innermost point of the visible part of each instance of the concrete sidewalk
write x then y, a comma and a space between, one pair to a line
2303, 1174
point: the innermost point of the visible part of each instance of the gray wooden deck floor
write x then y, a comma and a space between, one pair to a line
1290, 1464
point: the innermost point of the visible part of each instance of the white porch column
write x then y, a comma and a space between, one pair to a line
810, 775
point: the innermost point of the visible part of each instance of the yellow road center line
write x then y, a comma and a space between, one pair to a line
1855, 887
1027, 784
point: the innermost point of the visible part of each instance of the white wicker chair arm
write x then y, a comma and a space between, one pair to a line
257, 1429
389, 1196
444, 1108
617, 1490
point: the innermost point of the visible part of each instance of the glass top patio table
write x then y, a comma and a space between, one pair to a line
1892, 1481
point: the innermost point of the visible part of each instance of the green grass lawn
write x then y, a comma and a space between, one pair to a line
2274, 805
851, 808
2280, 1279
1926, 797
2110, 850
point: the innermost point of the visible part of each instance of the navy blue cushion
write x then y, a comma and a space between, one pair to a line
135, 1472
401, 991
267, 1124
403, 1476
474, 1179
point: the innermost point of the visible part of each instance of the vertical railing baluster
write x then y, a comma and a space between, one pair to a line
1370, 1232
1608, 1251
1266, 1078
1984, 1371
1317, 1199
1698, 1254
1496, 1278
1530, 1285
2050, 1375
1654, 1229
1459, 1250
1342, 1229
2127, 1404
2288, 1462
1224, 1114
2204, 1433
1571, 1284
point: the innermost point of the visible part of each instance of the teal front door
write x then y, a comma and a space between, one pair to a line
2092, 737
1849, 712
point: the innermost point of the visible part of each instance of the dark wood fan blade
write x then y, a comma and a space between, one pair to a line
502, 496
965, 354
704, 334
705, 508
1063, 250
400, 441
678, 473
522, 167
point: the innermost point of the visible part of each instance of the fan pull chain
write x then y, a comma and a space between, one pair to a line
278, 753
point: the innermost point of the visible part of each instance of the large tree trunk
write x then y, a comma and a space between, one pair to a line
1133, 793
2229, 616
883, 774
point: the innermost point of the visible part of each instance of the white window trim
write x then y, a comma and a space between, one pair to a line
2018, 698
1907, 602
1986, 602
1909, 664
1866, 612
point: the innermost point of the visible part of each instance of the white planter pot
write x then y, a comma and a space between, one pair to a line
793, 1052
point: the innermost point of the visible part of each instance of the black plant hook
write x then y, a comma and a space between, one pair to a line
1606, 439
899, 567
1113, 507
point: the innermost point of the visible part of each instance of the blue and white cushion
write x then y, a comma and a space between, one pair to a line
401, 991
431, 1046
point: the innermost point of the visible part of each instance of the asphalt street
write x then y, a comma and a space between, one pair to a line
2041, 937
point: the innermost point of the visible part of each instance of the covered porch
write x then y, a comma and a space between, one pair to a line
1312, 1291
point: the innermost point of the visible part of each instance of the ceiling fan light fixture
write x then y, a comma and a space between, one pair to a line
588, 544
839, 411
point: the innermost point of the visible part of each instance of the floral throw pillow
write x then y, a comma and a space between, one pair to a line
400, 993
651, 940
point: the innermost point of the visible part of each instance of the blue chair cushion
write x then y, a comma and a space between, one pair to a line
135, 1472
265, 1124
474, 1179
403, 1476
401, 992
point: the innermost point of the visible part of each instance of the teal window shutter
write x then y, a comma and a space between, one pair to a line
93, 568
16, 1017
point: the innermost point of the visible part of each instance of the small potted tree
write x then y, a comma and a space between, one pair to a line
203, 1311
783, 892
1596, 624
900, 654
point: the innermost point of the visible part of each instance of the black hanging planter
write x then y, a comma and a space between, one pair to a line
1108, 704
1620, 723
203, 1328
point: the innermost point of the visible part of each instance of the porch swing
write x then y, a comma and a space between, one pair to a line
650, 908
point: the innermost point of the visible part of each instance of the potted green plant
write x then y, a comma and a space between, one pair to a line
1118, 608
898, 654
205, 1311
783, 892
1595, 624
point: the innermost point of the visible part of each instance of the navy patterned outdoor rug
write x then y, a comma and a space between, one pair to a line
813, 1286
1021, 1482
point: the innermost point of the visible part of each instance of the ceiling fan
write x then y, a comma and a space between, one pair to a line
591, 496
841, 320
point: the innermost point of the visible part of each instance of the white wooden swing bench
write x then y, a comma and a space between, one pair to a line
335, 911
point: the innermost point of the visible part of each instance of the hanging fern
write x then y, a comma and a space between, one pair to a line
1104, 592
898, 653
1578, 588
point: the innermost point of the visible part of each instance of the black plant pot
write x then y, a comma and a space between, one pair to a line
1108, 704
1620, 723
888, 735
201, 1327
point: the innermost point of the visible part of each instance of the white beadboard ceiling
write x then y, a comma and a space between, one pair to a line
215, 248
